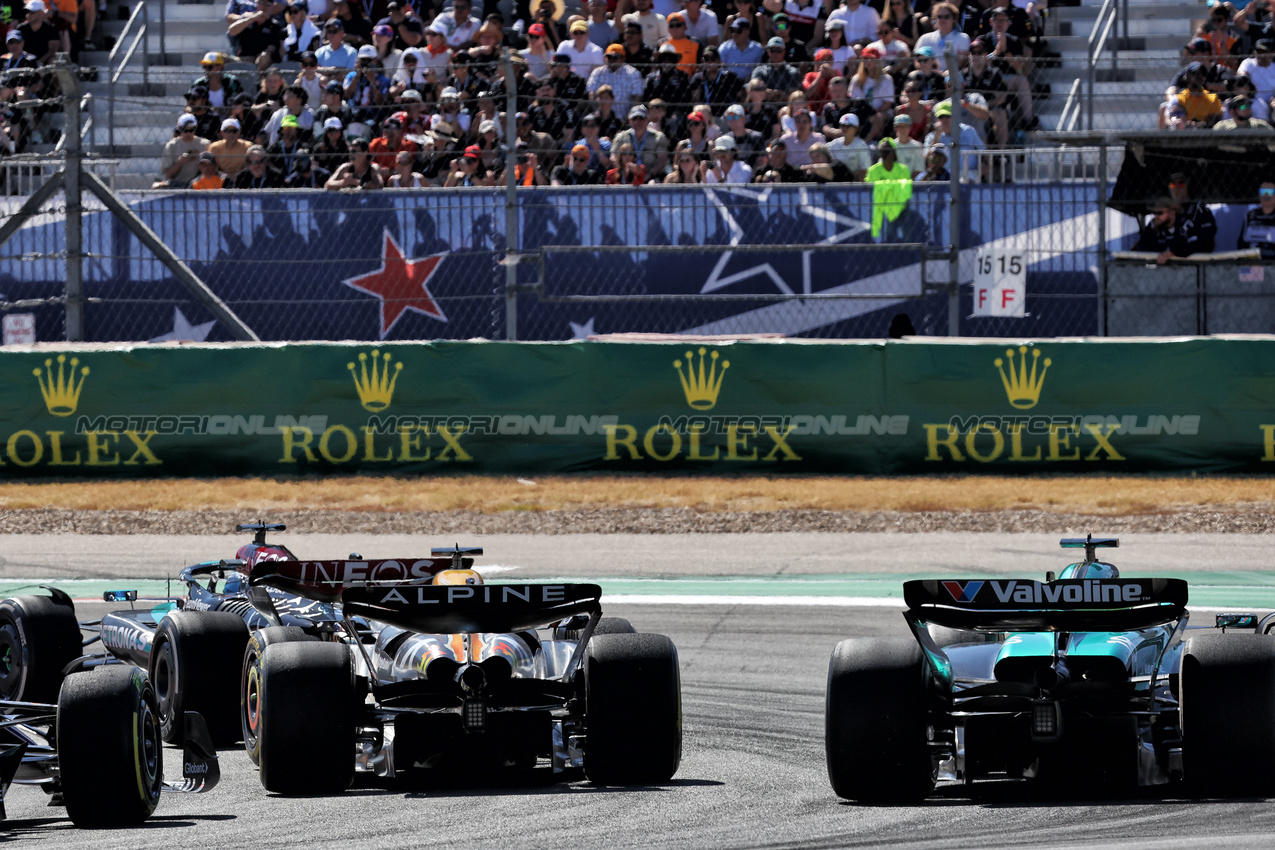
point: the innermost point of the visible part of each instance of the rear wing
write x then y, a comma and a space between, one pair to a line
400, 592
1065, 605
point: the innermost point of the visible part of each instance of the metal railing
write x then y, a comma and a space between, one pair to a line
140, 37
1104, 25
22, 174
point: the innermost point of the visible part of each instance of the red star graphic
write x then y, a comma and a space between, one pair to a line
400, 284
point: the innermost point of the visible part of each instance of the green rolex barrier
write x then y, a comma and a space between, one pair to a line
790, 406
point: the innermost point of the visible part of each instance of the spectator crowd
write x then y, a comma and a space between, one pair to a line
341, 95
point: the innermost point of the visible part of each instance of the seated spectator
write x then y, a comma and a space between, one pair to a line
288, 146
403, 176
701, 25
368, 92
945, 36
804, 18
435, 56
40, 36
221, 87
905, 21
538, 51
984, 79
259, 36
459, 24
575, 170
860, 22
1260, 70
1010, 56
798, 142
358, 173
207, 123
609, 121
942, 134
549, 15
1175, 117
932, 81
759, 113
416, 120
411, 74
686, 167
294, 105
237, 10
269, 98
451, 111
336, 58
628, 170
668, 83
1243, 85
358, 29
687, 49
467, 170
251, 125
331, 151
1217, 78
179, 162
208, 177
308, 78
602, 32
696, 141
467, 84
817, 84
1195, 218
653, 25
583, 54
230, 151
410, 33
300, 35
1241, 109
849, 150
823, 168
1203, 108
739, 53
333, 105
1164, 235
386, 148
911, 152
872, 84
936, 166
651, 146
636, 52
777, 169
1259, 223
622, 81
15, 127
779, 76
724, 167
24, 85
844, 54
599, 147
915, 107
719, 87
306, 175
486, 111
894, 52
1224, 41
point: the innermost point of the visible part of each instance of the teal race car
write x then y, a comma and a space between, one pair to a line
1086, 680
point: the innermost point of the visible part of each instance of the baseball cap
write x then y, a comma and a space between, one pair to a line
579, 26
944, 108
823, 55
887, 142
739, 24
412, 25
230, 124
926, 51
333, 124
849, 120
367, 51
615, 50
197, 92
1198, 45
487, 126
536, 29
334, 24
35, 6
289, 120
869, 53
393, 121
779, 18
207, 156
638, 111
449, 93
13, 36
775, 41
1195, 68
694, 118
1262, 44
460, 57
383, 29
724, 143
560, 59
835, 25
412, 96
735, 111
902, 118
212, 58
667, 48
939, 148
187, 122
473, 152
1000, 10
334, 88
580, 150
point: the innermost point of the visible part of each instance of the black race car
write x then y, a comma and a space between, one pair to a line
1086, 681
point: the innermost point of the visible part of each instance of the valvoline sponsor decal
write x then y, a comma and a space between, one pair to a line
963, 592
1093, 591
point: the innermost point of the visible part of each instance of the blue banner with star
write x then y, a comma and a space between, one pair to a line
424, 265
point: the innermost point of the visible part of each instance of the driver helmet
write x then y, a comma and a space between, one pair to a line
458, 577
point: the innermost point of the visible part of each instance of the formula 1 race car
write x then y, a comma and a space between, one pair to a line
1086, 680
96, 750
435, 668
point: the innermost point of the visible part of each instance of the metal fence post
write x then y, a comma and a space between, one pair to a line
1102, 237
69, 78
511, 198
146, 47
954, 205
163, 34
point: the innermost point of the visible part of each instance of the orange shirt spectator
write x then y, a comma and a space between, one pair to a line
208, 177
687, 48
385, 149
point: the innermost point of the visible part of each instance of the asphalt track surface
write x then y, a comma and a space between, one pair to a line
752, 772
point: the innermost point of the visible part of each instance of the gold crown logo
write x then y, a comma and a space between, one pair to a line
701, 388
377, 389
61, 394
1022, 388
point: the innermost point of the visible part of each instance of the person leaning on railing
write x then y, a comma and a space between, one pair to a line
1259, 223
1165, 235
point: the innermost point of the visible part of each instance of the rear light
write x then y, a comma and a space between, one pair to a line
473, 715
1046, 720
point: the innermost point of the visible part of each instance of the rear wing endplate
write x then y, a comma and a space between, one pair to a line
1064, 605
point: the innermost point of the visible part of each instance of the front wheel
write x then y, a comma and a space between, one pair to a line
633, 701
875, 721
39, 636
110, 754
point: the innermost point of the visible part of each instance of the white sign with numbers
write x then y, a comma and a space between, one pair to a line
1000, 282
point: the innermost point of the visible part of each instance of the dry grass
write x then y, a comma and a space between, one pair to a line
1112, 496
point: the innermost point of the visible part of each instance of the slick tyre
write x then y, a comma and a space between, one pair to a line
875, 721
306, 726
39, 636
1227, 704
196, 658
633, 700
250, 682
109, 749
614, 626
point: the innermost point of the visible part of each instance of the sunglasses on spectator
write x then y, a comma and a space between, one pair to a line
256, 162
534, 37
1266, 193
944, 17
774, 50
674, 25
1177, 182
1159, 213
230, 130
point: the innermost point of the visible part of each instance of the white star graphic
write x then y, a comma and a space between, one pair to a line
184, 331
582, 331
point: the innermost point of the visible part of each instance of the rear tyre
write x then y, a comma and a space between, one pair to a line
195, 664
875, 721
1227, 704
633, 697
39, 636
109, 749
250, 682
614, 626
306, 724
